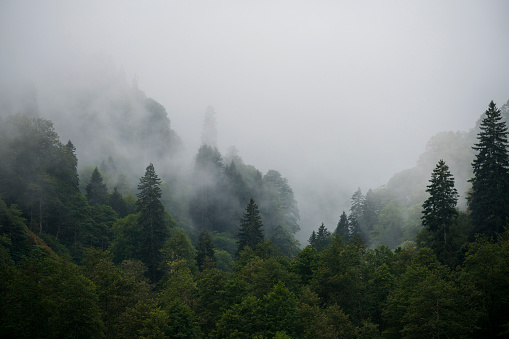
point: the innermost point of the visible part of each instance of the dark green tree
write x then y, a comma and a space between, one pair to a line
97, 192
312, 239
439, 210
322, 238
205, 252
343, 229
356, 213
250, 231
489, 199
151, 221
117, 202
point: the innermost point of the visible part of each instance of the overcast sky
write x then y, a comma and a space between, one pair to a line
334, 93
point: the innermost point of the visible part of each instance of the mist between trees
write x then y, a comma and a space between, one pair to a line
154, 242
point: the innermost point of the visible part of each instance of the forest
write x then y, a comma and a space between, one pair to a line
136, 244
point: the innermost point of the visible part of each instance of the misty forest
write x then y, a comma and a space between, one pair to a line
137, 243
278, 169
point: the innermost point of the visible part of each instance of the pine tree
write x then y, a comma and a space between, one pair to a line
250, 232
439, 210
343, 229
151, 221
489, 199
322, 238
312, 239
205, 251
96, 189
356, 215
117, 202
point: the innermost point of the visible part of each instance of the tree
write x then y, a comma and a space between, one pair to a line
489, 199
205, 256
97, 192
439, 210
322, 238
343, 230
356, 215
154, 231
117, 202
250, 232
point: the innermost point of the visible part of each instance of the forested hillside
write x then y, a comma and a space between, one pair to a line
137, 243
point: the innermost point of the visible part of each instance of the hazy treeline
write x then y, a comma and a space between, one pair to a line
128, 247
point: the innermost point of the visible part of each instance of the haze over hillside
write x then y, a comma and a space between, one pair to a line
335, 96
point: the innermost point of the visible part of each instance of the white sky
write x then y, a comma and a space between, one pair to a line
330, 93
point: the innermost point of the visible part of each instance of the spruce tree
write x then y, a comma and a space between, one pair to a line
489, 198
312, 239
151, 221
205, 252
117, 202
439, 210
322, 238
96, 190
250, 231
343, 229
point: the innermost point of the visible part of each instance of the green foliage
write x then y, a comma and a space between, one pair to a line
205, 252
388, 229
12, 226
250, 230
119, 288
343, 228
178, 248
151, 221
439, 210
321, 239
97, 192
484, 276
49, 298
126, 235
489, 199
427, 302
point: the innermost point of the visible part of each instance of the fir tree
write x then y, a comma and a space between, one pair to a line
151, 221
312, 239
205, 251
250, 232
117, 202
489, 199
96, 189
322, 238
439, 210
343, 229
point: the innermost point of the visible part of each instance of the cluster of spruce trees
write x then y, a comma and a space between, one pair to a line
99, 264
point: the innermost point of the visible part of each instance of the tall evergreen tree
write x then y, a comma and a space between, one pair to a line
355, 217
322, 238
439, 210
250, 231
151, 221
117, 202
343, 229
205, 252
489, 199
312, 239
97, 192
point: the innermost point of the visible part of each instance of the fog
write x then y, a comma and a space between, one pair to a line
335, 95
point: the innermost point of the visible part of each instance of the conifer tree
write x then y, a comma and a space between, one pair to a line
250, 232
312, 239
489, 199
151, 221
117, 202
439, 210
96, 189
205, 251
343, 229
322, 238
